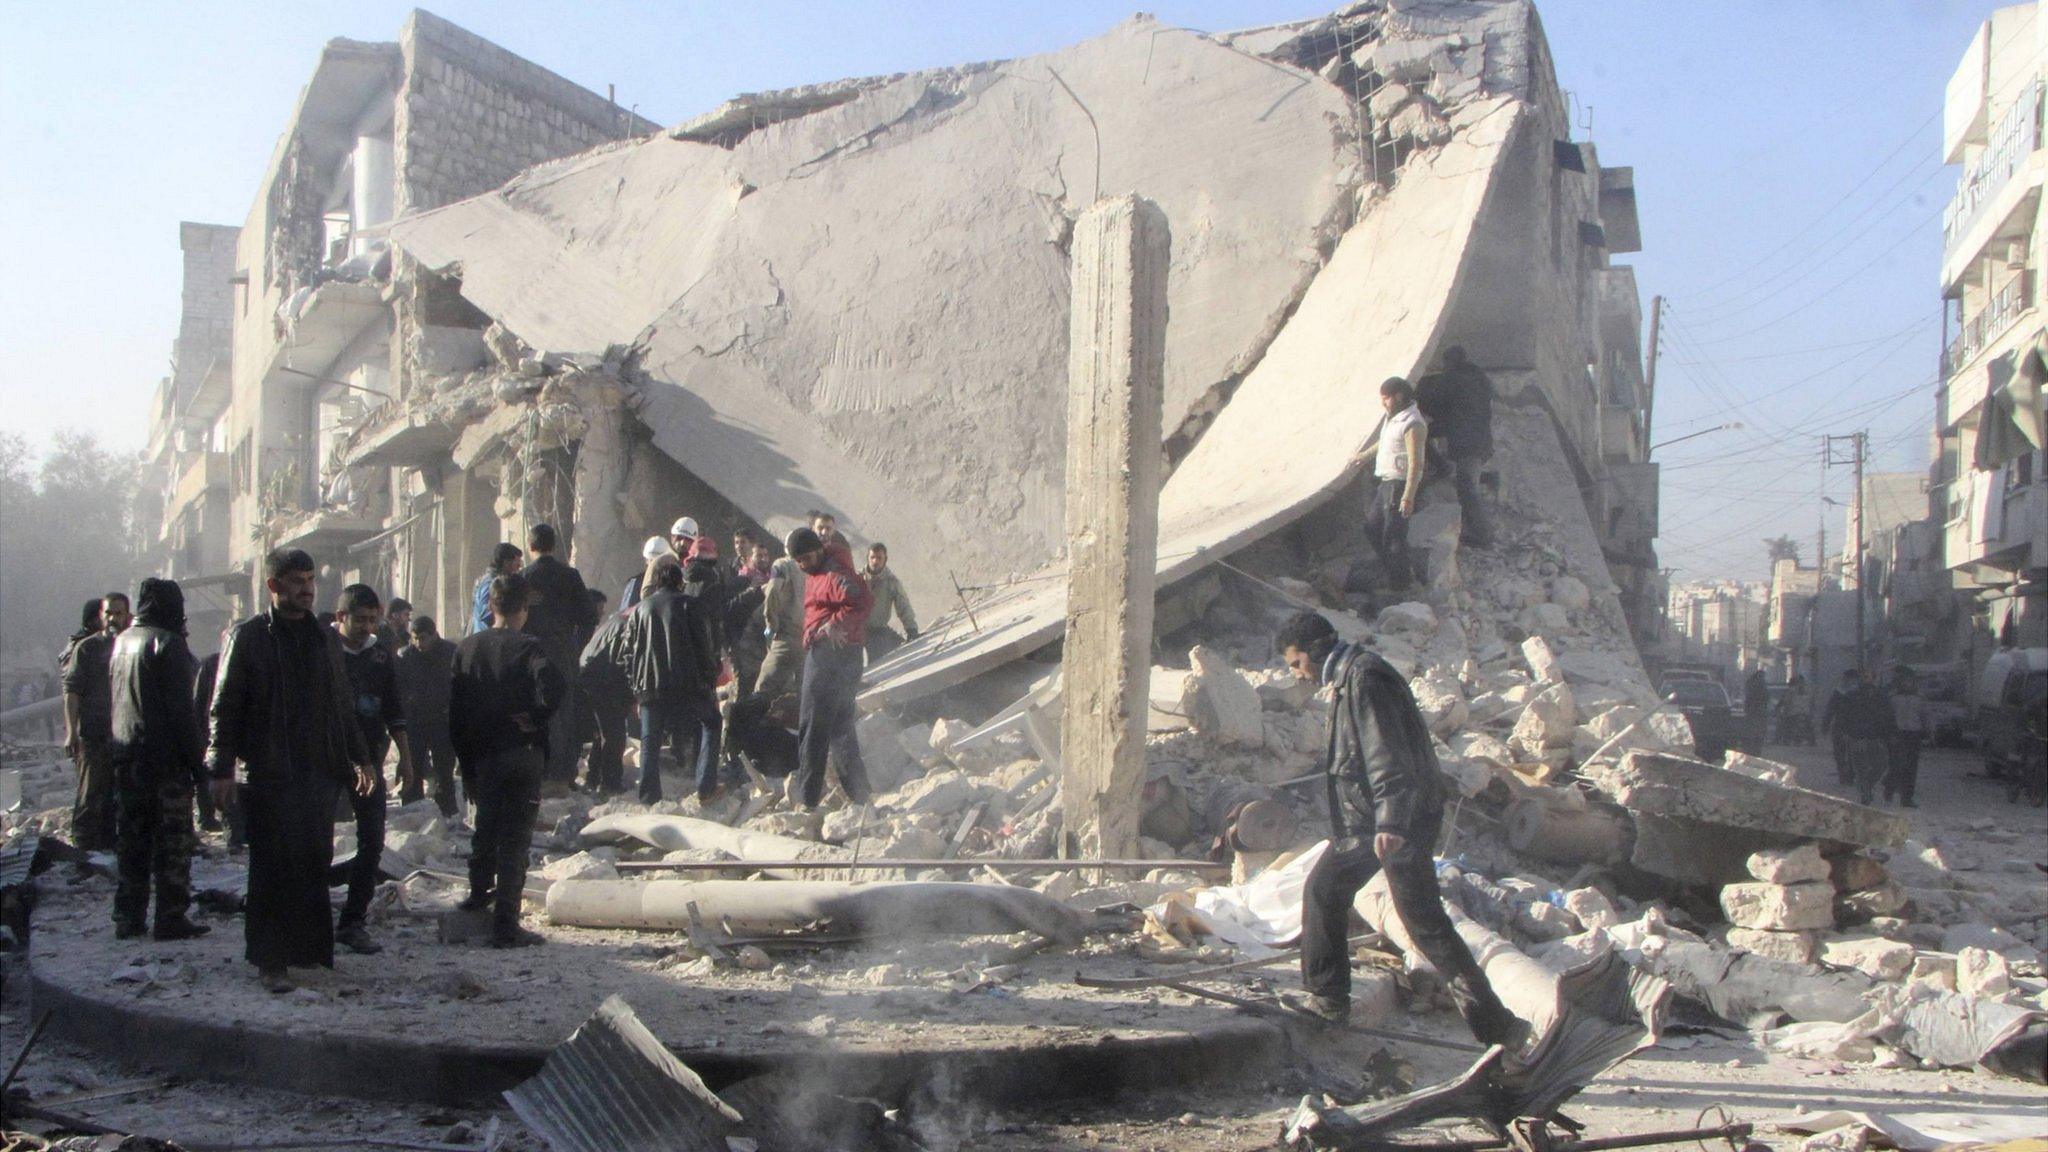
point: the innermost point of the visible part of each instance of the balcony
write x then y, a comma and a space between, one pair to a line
206, 472
2005, 152
1982, 330
2012, 542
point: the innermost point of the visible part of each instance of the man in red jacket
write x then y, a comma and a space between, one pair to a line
836, 604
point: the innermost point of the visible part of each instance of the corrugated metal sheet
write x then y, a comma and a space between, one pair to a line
612, 1087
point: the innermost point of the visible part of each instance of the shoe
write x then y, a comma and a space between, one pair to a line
178, 928
275, 980
475, 902
127, 929
356, 938
211, 825
516, 937
1907, 804
1328, 1009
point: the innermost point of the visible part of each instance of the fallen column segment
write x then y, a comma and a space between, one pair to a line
751, 908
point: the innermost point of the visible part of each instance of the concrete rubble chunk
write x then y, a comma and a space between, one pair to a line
1984, 973
1411, 617
1935, 970
1441, 700
1789, 865
1222, 704
1857, 872
1779, 907
1594, 910
1886, 899
1882, 958
1789, 947
1546, 618
581, 866
1547, 724
1758, 768
1542, 661
1666, 785
1570, 593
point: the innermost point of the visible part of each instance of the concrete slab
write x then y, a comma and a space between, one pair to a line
1673, 786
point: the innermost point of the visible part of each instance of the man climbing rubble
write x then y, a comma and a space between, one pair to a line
1397, 470
1386, 807
500, 699
1457, 400
836, 606
158, 759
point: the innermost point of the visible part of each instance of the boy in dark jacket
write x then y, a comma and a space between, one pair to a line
373, 686
158, 759
503, 692
423, 669
1386, 798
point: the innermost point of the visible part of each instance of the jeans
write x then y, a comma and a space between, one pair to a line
688, 724
507, 794
825, 723
433, 765
362, 871
1386, 529
606, 770
1333, 883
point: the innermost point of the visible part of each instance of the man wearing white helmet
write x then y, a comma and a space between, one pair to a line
653, 550
681, 535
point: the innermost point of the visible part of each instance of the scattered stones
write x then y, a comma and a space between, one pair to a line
1546, 724
1412, 618
1779, 907
1542, 661
1981, 972
1592, 907
1221, 703
1936, 970
1789, 947
1570, 593
1788, 865
581, 866
1875, 955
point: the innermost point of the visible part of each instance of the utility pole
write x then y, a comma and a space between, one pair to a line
1650, 373
1858, 444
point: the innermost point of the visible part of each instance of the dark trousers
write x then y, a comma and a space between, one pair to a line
1868, 764
506, 789
369, 812
606, 771
433, 766
1476, 530
691, 725
563, 749
780, 669
92, 812
825, 724
1386, 529
155, 838
881, 642
291, 846
1411, 876
1838, 744
1902, 772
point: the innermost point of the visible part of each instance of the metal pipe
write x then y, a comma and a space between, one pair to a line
883, 862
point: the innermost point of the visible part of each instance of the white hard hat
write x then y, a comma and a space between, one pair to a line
655, 546
684, 527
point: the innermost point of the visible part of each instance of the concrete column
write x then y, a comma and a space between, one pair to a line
469, 529
1116, 369
605, 553
375, 190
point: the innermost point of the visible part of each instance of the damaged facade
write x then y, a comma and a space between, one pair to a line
303, 323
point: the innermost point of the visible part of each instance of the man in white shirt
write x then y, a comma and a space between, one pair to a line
1397, 472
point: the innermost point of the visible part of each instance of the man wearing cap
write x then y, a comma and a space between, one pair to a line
159, 760
1386, 796
836, 606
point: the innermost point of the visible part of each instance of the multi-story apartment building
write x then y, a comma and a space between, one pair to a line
295, 331
1987, 484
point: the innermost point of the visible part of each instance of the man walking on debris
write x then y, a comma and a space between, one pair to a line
88, 725
1909, 725
373, 688
158, 759
782, 615
1397, 470
890, 599
506, 559
560, 616
211, 814
836, 606
1756, 712
1386, 798
502, 693
1863, 717
423, 668
1838, 732
601, 678
282, 709
674, 677
1457, 400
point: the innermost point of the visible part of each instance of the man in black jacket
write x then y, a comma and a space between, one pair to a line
158, 759
282, 710
1457, 399
1864, 718
674, 671
601, 680
423, 668
500, 698
560, 616
373, 686
88, 719
1386, 806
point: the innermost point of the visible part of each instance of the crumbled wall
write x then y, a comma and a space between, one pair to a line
206, 317
471, 115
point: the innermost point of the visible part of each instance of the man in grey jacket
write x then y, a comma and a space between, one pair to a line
1386, 807
782, 610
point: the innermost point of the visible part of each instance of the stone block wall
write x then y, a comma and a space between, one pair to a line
472, 115
207, 316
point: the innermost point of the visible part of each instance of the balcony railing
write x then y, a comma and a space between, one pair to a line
2017, 135
1988, 324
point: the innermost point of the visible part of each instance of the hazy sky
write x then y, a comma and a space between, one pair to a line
1787, 171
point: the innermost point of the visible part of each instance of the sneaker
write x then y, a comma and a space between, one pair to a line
475, 902
516, 937
275, 980
177, 928
356, 938
1328, 1009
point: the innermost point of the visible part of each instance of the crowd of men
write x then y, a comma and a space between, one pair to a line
746, 667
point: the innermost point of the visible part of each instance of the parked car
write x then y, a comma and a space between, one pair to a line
2001, 707
1706, 708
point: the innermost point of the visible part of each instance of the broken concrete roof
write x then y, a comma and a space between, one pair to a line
864, 308
1299, 426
